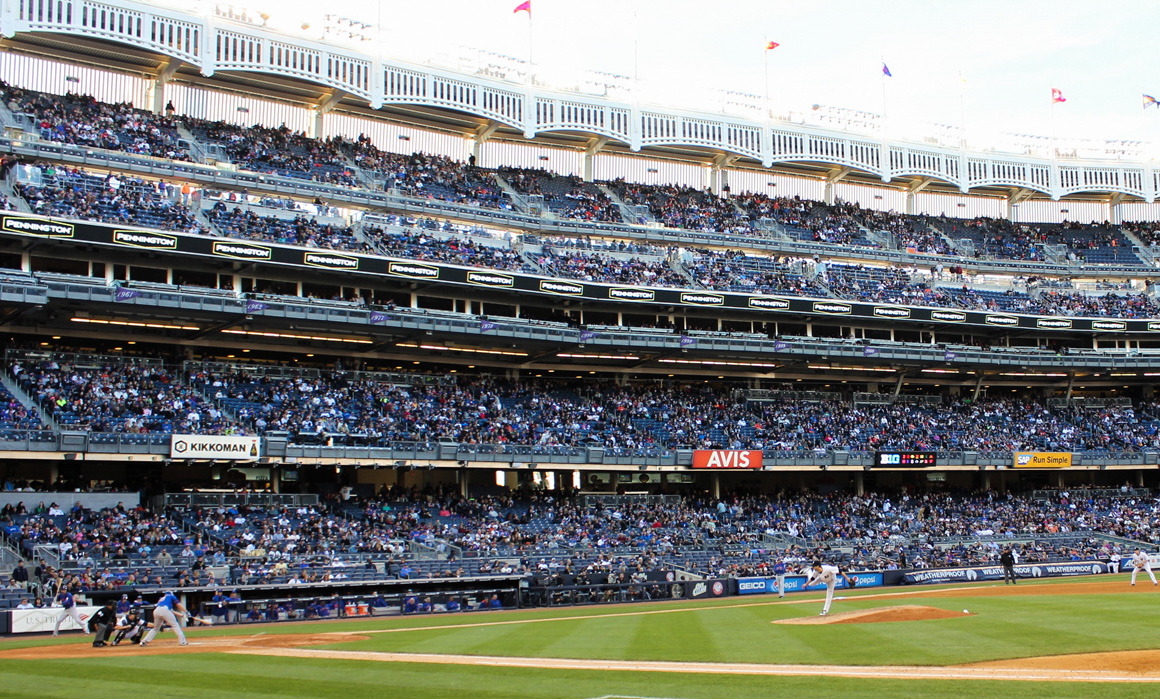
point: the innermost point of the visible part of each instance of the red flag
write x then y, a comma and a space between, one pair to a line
1057, 96
771, 45
525, 6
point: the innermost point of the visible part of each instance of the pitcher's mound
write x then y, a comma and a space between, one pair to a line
908, 612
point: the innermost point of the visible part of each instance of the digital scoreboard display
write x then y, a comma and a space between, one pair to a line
905, 459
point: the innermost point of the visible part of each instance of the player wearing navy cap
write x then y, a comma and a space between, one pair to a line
164, 615
66, 600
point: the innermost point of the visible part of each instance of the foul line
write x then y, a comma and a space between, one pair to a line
868, 672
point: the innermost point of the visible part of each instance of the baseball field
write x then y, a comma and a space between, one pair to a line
1041, 638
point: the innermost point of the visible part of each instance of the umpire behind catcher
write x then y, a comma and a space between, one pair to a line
102, 623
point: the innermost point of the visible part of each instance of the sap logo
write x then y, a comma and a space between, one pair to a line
1023, 459
700, 589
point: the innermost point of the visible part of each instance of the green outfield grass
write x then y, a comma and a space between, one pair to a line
733, 630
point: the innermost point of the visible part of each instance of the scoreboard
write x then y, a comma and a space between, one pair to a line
905, 459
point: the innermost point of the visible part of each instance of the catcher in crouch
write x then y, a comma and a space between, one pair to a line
827, 574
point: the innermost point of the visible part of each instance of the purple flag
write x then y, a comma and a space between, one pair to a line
780, 345
485, 325
586, 335
949, 356
379, 317
123, 294
869, 351
255, 306
687, 341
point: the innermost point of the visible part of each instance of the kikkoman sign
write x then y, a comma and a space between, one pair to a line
219, 447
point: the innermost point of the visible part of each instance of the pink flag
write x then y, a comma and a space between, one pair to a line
1057, 96
525, 6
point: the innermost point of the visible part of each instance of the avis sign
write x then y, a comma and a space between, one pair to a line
726, 458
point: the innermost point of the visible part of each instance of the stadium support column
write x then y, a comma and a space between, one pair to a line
1112, 211
481, 135
859, 484
914, 189
715, 480
594, 146
833, 178
320, 110
718, 175
1015, 196
157, 87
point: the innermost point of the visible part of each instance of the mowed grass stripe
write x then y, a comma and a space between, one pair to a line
1003, 627
252, 676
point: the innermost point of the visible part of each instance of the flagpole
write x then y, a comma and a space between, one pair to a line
962, 112
530, 63
883, 100
766, 52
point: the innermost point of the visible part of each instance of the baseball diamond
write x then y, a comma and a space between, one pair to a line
472, 348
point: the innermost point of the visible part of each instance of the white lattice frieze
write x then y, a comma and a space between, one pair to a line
190, 36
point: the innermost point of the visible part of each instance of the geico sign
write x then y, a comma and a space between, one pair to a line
726, 458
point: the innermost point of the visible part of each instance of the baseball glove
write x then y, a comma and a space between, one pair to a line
853, 582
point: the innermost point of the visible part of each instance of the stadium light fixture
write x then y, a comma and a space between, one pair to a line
134, 324
296, 336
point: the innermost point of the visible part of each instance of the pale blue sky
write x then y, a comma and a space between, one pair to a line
1012, 53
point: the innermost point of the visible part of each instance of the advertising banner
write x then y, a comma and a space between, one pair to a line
699, 589
1042, 459
1037, 570
171, 244
221, 447
726, 458
755, 586
44, 620
795, 583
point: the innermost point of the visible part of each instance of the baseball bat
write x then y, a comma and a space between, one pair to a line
206, 622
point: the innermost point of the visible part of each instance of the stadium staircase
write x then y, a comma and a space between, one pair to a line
200, 216
1144, 252
627, 213
15, 201
28, 401
520, 201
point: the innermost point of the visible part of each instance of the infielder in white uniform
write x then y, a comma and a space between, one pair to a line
163, 615
1142, 561
1114, 562
829, 575
70, 609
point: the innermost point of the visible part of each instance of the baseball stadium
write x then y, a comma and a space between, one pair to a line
641, 350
